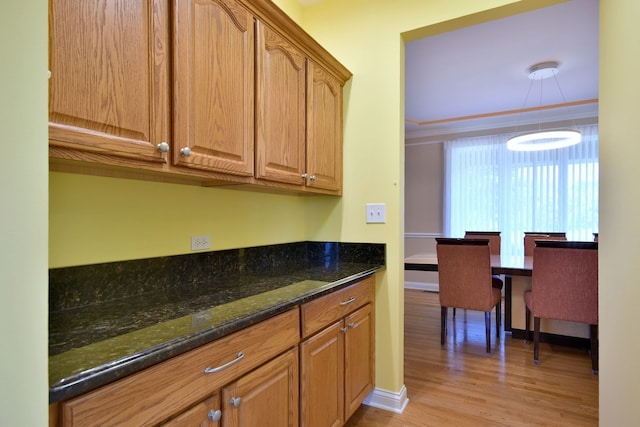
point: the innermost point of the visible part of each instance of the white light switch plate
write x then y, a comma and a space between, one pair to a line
376, 213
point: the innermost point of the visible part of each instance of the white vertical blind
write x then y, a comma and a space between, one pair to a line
489, 188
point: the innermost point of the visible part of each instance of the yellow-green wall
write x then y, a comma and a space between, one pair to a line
23, 214
97, 219
619, 270
366, 36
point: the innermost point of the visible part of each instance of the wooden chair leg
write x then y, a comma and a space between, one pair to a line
593, 330
527, 325
536, 340
487, 327
443, 324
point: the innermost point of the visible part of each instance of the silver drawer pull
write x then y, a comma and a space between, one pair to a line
352, 325
349, 301
226, 365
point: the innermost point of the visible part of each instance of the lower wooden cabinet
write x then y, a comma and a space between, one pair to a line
359, 359
337, 363
158, 393
322, 385
205, 414
266, 397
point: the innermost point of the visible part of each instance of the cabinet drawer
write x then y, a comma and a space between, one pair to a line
321, 312
153, 395
202, 415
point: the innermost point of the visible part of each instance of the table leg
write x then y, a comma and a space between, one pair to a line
507, 303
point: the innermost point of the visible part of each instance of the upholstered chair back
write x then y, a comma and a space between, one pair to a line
565, 281
531, 237
493, 236
464, 273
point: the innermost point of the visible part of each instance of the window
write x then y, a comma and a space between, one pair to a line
490, 188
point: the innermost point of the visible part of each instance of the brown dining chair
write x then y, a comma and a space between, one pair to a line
564, 287
464, 276
493, 236
494, 247
530, 238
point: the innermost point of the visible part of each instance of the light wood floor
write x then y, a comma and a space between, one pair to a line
461, 385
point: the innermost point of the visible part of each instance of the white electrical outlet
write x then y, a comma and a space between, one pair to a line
199, 243
376, 213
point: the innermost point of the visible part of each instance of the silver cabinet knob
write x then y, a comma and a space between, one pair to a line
235, 401
352, 325
312, 177
343, 329
304, 176
185, 152
215, 415
163, 147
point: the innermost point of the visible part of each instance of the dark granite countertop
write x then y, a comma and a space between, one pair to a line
93, 345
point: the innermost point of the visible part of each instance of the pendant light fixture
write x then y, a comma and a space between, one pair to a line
548, 139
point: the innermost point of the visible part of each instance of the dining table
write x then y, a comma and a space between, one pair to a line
509, 266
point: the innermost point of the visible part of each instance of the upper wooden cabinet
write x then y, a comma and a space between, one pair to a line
228, 92
109, 84
299, 117
324, 129
213, 86
281, 84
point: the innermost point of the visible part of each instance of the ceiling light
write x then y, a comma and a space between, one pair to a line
548, 139
545, 140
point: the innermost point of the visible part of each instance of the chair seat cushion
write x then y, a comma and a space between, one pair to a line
496, 282
496, 295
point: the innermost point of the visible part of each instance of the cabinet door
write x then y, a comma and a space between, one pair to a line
359, 377
280, 109
109, 85
214, 86
205, 414
324, 129
322, 378
266, 397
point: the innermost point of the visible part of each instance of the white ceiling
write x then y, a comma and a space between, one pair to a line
483, 70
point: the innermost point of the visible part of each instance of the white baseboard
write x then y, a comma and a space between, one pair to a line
388, 400
423, 286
